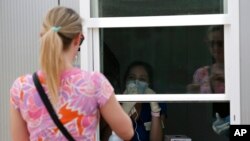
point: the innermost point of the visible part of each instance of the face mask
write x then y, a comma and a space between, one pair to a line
139, 85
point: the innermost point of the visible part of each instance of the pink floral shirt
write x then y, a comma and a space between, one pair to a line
201, 76
81, 95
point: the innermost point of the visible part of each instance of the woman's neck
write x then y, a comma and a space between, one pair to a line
66, 66
218, 68
68, 59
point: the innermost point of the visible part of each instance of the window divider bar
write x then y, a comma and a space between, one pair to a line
173, 97
158, 21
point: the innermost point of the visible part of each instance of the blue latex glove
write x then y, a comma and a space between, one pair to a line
221, 125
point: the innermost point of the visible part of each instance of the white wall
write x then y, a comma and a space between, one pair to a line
19, 46
74, 4
245, 61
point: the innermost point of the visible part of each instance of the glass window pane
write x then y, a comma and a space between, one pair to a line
196, 121
164, 59
124, 8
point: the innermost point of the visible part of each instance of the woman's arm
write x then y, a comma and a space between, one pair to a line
19, 131
156, 132
117, 119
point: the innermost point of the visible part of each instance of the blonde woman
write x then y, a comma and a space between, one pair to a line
77, 96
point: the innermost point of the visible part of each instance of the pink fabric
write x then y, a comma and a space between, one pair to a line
201, 77
81, 94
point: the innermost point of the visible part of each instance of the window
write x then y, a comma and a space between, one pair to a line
172, 53
130, 8
172, 39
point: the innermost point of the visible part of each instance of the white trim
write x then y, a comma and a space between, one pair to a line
174, 97
87, 43
232, 62
153, 21
87, 51
96, 48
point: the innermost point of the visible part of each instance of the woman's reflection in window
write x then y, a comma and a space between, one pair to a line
210, 79
215, 42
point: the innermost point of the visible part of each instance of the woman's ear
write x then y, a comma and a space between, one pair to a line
76, 40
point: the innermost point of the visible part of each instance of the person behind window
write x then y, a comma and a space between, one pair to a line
210, 78
77, 96
148, 118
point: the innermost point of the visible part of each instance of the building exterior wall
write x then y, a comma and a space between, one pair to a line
19, 46
244, 61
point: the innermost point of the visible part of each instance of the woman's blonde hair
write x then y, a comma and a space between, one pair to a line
60, 26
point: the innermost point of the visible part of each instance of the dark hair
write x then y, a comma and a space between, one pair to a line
147, 68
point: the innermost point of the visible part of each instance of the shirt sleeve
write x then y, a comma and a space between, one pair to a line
16, 93
103, 88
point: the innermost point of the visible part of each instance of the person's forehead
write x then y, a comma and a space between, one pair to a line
138, 69
216, 35
139, 72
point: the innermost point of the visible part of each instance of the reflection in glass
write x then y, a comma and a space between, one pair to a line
111, 68
124, 8
196, 120
165, 58
210, 77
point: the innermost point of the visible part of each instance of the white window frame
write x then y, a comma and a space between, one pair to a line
90, 52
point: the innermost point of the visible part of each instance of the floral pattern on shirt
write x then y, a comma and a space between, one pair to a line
81, 94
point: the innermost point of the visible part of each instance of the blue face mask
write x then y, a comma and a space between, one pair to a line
140, 85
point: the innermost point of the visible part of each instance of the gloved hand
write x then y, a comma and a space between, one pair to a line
128, 107
135, 87
131, 88
154, 105
221, 125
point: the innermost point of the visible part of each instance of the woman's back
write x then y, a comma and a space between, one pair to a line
77, 96
81, 94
